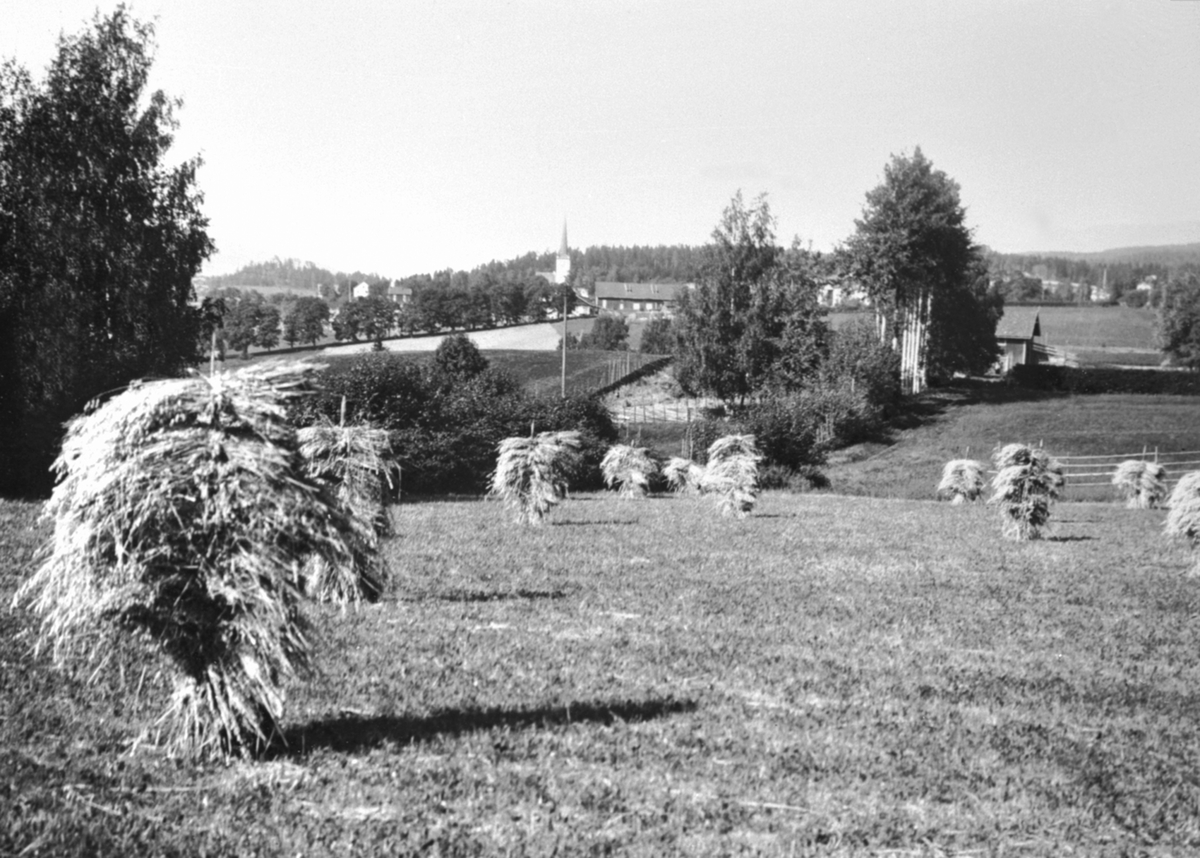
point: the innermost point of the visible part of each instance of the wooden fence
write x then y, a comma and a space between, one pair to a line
1093, 472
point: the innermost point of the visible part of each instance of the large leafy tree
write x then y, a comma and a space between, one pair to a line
753, 320
251, 323
1179, 321
99, 239
305, 320
914, 254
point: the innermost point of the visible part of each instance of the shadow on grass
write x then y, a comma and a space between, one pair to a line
348, 733
485, 595
914, 412
591, 523
1069, 538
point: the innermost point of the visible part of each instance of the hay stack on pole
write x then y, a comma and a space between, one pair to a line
1184, 516
354, 463
628, 468
683, 476
1028, 480
182, 515
731, 475
1144, 484
962, 480
531, 473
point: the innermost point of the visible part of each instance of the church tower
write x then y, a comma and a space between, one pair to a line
562, 262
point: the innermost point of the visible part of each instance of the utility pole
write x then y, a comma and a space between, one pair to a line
564, 344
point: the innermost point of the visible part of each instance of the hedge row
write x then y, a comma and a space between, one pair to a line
1067, 379
445, 419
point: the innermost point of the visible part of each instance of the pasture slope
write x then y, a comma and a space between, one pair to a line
832, 676
973, 421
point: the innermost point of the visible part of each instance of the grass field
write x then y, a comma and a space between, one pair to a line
832, 676
959, 422
1098, 327
1096, 334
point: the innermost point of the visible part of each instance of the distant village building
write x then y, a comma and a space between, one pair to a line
633, 298
838, 293
398, 294
360, 290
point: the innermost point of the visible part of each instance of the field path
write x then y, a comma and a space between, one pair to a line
526, 338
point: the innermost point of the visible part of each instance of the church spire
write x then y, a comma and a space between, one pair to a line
563, 250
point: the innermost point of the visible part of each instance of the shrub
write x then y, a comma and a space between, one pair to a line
457, 359
182, 516
1027, 481
785, 428
1089, 380
609, 333
531, 473
858, 360
962, 480
1144, 484
658, 337
445, 437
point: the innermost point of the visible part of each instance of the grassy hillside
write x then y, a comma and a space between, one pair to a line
958, 422
832, 676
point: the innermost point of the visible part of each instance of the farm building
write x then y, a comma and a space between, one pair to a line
1019, 334
631, 298
398, 294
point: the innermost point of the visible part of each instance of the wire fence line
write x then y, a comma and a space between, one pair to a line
1097, 470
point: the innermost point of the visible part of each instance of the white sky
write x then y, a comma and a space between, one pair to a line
405, 137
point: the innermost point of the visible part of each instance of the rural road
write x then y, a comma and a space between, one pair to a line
526, 337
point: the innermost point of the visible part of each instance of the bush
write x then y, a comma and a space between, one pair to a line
859, 361
457, 358
658, 338
803, 479
445, 436
785, 431
1090, 380
609, 333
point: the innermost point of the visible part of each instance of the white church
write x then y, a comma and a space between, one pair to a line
562, 263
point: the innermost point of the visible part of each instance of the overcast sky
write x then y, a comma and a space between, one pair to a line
411, 136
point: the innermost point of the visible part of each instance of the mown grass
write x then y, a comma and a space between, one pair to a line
958, 422
1088, 327
1098, 327
831, 676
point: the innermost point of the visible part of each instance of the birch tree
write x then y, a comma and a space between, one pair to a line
915, 256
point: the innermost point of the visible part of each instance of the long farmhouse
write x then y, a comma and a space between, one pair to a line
631, 299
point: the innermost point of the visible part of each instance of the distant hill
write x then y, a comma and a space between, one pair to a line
1167, 255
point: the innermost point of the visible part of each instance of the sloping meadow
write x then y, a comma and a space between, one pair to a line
828, 676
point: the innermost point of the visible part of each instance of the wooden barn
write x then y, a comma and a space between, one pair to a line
1019, 334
